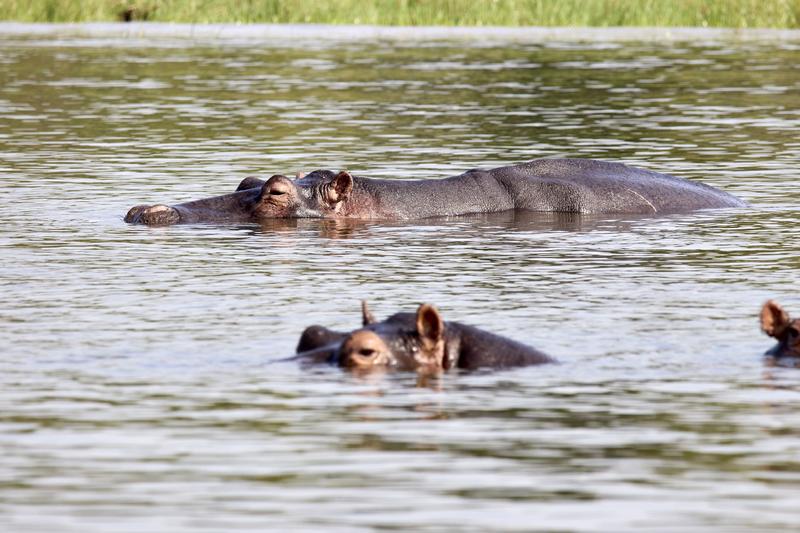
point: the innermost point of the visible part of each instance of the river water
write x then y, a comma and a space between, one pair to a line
137, 384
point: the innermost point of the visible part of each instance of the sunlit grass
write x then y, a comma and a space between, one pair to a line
719, 13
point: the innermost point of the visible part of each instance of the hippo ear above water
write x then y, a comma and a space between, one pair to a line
430, 328
339, 188
367, 317
430, 325
774, 320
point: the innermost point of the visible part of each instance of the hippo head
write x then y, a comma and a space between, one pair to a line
317, 195
776, 323
404, 341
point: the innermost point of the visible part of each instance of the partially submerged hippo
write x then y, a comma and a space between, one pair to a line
414, 341
776, 323
550, 185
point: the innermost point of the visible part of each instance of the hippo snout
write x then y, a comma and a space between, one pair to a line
153, 215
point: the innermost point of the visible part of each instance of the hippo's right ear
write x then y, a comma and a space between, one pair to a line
774, 320
367, 317
339, 188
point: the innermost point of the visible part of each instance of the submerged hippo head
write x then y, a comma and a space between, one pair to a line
776, 323
317, 195
419, 341
404, 341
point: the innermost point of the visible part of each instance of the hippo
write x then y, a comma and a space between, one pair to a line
776, 323
419, 341
544, 185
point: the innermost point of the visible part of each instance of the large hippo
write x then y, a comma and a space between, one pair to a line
549, 185
776, 323
414, 341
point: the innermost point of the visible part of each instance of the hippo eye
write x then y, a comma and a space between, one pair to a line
793, 333
366, 352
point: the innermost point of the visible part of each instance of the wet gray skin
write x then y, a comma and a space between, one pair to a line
776, 323
546, 185
414, 341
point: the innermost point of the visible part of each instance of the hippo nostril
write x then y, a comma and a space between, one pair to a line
275, 192
367, 352
153, 215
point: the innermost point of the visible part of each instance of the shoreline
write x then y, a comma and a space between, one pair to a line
345, 33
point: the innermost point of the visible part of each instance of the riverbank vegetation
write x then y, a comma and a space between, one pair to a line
716, 13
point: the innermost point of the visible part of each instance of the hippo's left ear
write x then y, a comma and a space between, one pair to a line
774, 320
339, 188
430, 328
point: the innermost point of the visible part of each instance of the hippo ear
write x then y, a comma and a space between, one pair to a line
430, 325
430, 328
367, 317
774, 320
339, 188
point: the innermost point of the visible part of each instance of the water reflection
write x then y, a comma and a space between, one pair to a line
133, 377
524, 221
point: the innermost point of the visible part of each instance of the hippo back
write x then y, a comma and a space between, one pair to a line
591, 186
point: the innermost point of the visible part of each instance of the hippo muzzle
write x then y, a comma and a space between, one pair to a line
153, 215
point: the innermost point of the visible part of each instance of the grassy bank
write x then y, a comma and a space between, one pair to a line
717, 13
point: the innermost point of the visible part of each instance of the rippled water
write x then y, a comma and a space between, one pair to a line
136, 389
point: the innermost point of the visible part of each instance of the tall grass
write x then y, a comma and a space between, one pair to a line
720, 13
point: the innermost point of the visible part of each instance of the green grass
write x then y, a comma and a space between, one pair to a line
719, 13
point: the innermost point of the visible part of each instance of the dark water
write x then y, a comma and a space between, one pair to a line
136, 390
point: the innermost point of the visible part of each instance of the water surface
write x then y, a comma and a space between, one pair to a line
136, 384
